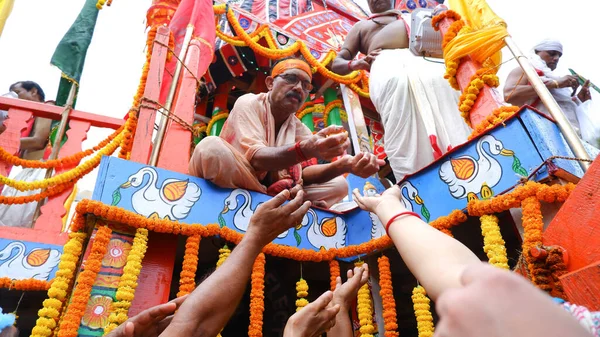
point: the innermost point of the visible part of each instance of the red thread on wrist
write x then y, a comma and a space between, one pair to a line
387, 226
299, 152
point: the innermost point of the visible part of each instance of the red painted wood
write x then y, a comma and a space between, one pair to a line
176, 135
488, 99
582, 287
576, 226
142, 143
10, 139
52, 212
28, 234
154, 282
54, 112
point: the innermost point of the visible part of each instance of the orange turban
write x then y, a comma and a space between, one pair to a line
291, 64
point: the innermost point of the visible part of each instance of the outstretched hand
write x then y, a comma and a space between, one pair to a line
273, 218
346, 293
371, 204
150, 322
326, 144
314, 319
363, 164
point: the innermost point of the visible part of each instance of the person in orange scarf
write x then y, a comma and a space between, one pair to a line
265, 148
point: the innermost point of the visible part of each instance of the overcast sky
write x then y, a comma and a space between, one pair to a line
115, 58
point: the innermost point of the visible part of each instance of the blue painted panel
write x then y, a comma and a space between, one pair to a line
24, 260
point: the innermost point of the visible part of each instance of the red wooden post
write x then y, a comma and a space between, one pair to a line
582, 287
53, 211
142, 143
10, 139
488, 99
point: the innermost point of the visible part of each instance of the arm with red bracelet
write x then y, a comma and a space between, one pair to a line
436, 259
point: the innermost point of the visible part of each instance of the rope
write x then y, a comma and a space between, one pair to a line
198, 82
549, 159
170, 115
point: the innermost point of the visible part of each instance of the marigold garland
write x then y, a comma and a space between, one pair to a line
504, 202
301, 293
497, 117
556, 264
214, 119
257, 297
452, 32
387, 297
24, 285
330, 106
128, 282
364, 308
85, 282
422, 312
482, 77
445, 223
493, 243
334, 272
450, 14
187, 278
309, 110
223, 255
533, 226
100, 4
57, 293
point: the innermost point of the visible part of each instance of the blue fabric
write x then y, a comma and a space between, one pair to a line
6, 320
558, 300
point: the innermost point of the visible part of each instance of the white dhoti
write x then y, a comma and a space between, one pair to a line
418, 108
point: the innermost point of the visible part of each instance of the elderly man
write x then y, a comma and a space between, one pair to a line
417, 106
544, 58
263, 146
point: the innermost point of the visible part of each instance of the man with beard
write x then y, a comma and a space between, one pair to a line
544, 58
417, 106
265, 148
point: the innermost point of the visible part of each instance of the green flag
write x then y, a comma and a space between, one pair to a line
69, 55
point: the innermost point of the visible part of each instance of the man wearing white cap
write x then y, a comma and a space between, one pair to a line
544, 58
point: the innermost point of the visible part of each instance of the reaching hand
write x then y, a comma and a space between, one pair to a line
150, 322
584, 94
568, 81
494, 302
364, 164
346, 293
365, 63
314, 319
272, 219
372, 203
326, 144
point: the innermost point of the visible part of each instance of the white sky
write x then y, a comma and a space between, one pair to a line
116, 55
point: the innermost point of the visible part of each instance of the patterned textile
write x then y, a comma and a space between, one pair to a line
589, 319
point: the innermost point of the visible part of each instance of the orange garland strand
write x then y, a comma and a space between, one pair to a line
556, 264
497, 117
450, 14
334, 272
445, 223
257, 297
24, 285
75, 310
187, 280
387, 297
533, 226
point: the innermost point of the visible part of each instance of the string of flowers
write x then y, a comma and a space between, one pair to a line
497, 117
533, 225
334, 272
493, 243
223, 255
57, 293
187, 278
66, 177
128, 282
422, 312
85, 282
51, 191
556, 264
100, 4
445, 223
365, 309
466, 101
56, 163
504, 202
24, 285
257, 297
330, 106
214, 119
301, 293
452, 32
309, 110
450, 14
387, 297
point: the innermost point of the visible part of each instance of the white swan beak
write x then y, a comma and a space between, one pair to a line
507, 153
125, 185
225, 209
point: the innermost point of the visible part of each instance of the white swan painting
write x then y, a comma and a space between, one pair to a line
173, 200
309, 218
329, 233
37, 264
243, 211
467, 176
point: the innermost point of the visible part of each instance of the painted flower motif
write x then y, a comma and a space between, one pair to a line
97, 312
116, 253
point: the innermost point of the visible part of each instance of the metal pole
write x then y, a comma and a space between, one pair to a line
60, 133
546, 97
162, 128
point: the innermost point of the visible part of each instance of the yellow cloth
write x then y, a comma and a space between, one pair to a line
5, 9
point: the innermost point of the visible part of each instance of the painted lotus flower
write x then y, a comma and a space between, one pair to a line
97, 312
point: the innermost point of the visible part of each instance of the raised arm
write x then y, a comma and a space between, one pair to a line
518, 91
343, 64
436, 259
208, 308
